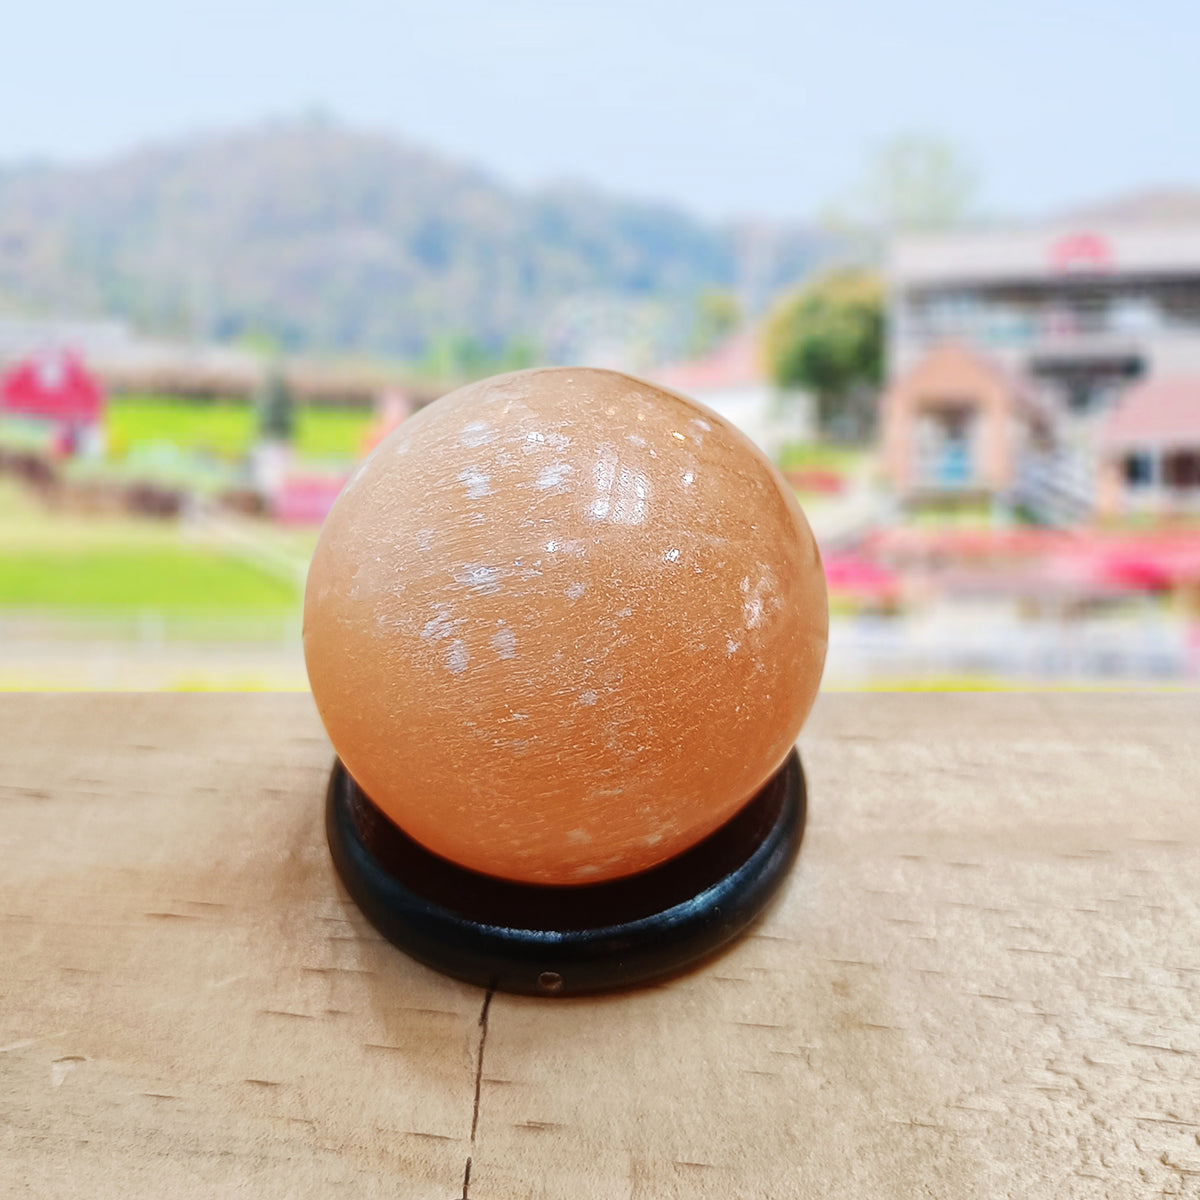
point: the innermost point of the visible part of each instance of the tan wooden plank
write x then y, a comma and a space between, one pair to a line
190, 1003
983, 979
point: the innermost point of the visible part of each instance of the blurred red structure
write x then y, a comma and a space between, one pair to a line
306, 500
819, 480
1081, 252
852, 577
53, 386
1019, 562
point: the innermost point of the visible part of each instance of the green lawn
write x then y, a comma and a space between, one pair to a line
331, 433
163, 579
821, 456
222, 428
226, 428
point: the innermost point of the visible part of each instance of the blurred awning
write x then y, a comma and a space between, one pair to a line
850, 576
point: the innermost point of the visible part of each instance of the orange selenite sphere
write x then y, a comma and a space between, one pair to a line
563, 624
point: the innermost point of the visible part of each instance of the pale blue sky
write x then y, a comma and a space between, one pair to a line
747, 107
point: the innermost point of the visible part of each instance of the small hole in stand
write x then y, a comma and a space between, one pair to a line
550, 981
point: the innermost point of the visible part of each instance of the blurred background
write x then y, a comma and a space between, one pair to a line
942, 262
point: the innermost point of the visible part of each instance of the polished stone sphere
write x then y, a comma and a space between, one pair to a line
562, 624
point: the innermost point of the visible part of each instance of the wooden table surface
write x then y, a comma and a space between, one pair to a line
982, 980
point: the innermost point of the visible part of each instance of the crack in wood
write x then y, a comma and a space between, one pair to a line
483, 1030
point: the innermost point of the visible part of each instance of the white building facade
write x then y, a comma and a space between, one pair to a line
1080, 312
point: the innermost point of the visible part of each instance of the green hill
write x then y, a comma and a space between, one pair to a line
332, 239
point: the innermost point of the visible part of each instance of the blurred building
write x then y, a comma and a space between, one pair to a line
1150, 450
958, 422
55, 390
733, 382
1080, 312
1076, 314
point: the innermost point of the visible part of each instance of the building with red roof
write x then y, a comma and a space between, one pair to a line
958, 424
54, 387
1150, 447
735, 365
732, 380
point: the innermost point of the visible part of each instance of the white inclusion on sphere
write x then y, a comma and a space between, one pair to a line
635, 440
424, 539
689, 477
731, 647
625, 612
552, 476
587, 698
751, 606
755, 602
621, 493
703, 426
440, 625
477, 482
457, 657
504, 642
535, 439
480, 578
576, 590
477, 433
671, 556
578, 837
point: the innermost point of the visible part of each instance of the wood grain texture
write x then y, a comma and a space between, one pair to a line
983, 978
